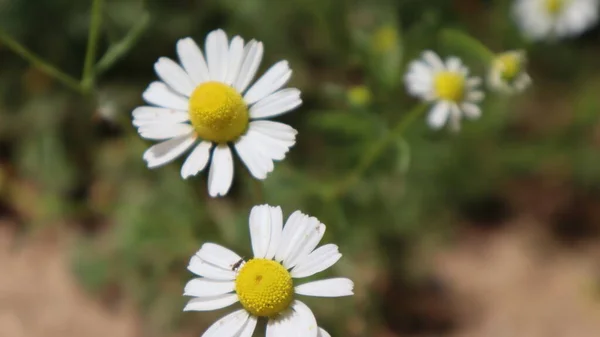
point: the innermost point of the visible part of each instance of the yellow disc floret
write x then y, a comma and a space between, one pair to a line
218, 112
509, 65
554, 6
264, 287
449, 86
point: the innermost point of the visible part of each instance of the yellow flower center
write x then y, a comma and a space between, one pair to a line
449, 86
264, 287
359, 95
218, 112
509, 65
554, 6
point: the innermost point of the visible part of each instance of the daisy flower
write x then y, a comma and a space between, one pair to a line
205, 103
543, 19
448, 86
507, 73
266, 285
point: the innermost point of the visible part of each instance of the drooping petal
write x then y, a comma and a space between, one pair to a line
273, 79
335, 287
317, 261
209, 270
247, 149
173, 75
248, 329
192, 60
197, 160
276, 104
159, 94
163, 153
438, 115
203, 287
220, 175
228, 326
282, 325
253, 53
211, 303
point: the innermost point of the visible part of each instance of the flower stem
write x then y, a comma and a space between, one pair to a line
119, 49
40, 64
370, 156
87, 79
463, 41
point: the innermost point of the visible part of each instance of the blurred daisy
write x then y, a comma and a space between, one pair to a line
265, 285
204, 102
542, 19
508, 72
448, 86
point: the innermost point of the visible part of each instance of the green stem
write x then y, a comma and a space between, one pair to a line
87, 79
370, 156
119, 49
40, 64
453, 37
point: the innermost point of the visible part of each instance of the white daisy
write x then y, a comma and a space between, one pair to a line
508, 72
448, 86
543, 19
265, 285
206, 103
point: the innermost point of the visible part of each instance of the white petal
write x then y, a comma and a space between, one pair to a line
159, 94
209, 270
165, 152
253, 53
438, 115
323, 333
192, 60
275, 130
453, 64
292, 225
217, 53
211, 303
197, 160
304, 320
260, 230
276, 104
317, 261
305, 243
203, 287
475, 96
334, 287
433, 60
276, 227
218, 255
248, 329
173, 75
247, 149
236, 57
473, 82
220, 175
145, 115
162, 132
275, 77
228, 326
471, 110
282, 325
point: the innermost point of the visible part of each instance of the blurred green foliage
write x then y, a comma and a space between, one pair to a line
72, 160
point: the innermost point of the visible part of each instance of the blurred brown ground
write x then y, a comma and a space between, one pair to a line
512, 281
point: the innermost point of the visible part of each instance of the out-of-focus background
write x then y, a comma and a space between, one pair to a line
489, 232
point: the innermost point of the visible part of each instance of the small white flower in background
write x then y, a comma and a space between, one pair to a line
548, 19
508, 72
205, 102
265, 285
448, 86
